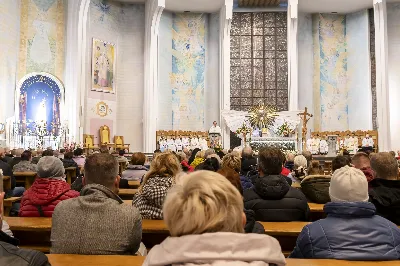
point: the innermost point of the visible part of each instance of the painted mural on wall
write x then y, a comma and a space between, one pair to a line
40, 96
103, 66
330, 72
42, 37
187, 77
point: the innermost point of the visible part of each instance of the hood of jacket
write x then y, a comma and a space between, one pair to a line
100, 192
350, 209
316, 178
46, 190
385, 192
221, 248
136, 167
272, 187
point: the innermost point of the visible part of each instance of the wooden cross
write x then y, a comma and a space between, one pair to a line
305, 117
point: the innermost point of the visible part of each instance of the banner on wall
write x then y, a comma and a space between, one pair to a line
103, 66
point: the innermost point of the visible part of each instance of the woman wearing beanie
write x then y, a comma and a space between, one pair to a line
352, 230
48, 189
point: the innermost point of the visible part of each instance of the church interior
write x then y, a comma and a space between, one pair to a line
141, 79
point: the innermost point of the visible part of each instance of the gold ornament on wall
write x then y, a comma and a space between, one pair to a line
102, 109
262, 116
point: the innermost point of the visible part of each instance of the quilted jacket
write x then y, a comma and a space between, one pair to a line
316, 188
351, 231
274, 200
43, 196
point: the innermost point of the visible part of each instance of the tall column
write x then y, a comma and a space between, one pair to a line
224, 66
293, 80
153, 9
76, 23
382, 81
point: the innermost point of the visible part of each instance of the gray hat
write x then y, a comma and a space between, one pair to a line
50, 167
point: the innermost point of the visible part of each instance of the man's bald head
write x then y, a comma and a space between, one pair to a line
247, 152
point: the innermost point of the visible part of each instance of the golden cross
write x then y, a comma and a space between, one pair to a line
305, 117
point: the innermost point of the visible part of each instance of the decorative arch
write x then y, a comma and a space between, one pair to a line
40, 98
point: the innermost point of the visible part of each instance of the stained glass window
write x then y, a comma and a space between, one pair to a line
259, 68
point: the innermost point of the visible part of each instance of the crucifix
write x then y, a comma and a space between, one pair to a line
305, 117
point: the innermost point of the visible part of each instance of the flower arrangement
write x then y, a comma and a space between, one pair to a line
285, 129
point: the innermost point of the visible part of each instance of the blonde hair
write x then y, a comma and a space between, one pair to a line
164, 164
200, 154
232, 161
203, 202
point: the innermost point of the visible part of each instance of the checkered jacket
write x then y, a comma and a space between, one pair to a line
151, 199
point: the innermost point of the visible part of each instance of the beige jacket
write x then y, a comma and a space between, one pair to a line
217, 249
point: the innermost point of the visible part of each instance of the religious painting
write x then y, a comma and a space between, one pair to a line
188, 69
103, 66
40, 96
42, 37
102, 109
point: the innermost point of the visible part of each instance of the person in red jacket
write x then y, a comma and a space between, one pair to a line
47, 191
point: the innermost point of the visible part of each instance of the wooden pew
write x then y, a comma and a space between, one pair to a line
70, 172
25, 177
127, 193
104, 260
6, 183
133, 184
7, 204
100, 260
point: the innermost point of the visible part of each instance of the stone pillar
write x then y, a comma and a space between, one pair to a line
382, 81
224, 66
153, 10
293, 80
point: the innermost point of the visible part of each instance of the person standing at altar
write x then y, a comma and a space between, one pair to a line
323, 147
368, 143
215, 129
215, 135
171, 144
309, 143
348, 143
163, 144
313, 145
185, 143
203, 144
354, 144
194, 143
178, 144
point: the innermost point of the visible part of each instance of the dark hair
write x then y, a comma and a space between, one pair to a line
221, 154
157, 151
62, 150
232, 177
104, 149
308, 156
193, 156
47, 153
270, 161
339, 162
26, 155
211, 164
78, 152
101, 168
315, 168
138, 158
121, 152
68, 155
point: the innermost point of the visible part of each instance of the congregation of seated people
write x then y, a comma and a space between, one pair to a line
213, 204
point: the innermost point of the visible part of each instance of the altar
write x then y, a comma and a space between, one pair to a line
283, 143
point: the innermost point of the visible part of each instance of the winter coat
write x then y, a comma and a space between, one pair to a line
134, 172
246, 182
5, 167
11, 255
43, 196
150, 199
316, 188
247, 164
351, 231
273, 199
385, 195
97, 222
252, 227
71, 163
217, 249
25, 166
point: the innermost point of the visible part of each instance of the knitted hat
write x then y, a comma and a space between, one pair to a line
348, 184
50, 166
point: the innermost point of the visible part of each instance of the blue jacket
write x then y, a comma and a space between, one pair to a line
351, 231
246, 182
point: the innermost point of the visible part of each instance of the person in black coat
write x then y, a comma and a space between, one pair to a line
248, 161
272, 198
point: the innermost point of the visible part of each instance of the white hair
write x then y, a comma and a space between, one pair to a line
203, 202
300, 162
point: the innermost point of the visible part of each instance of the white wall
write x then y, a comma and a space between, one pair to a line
211, 90
164, 119
393, 20
358, 71
306, 64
